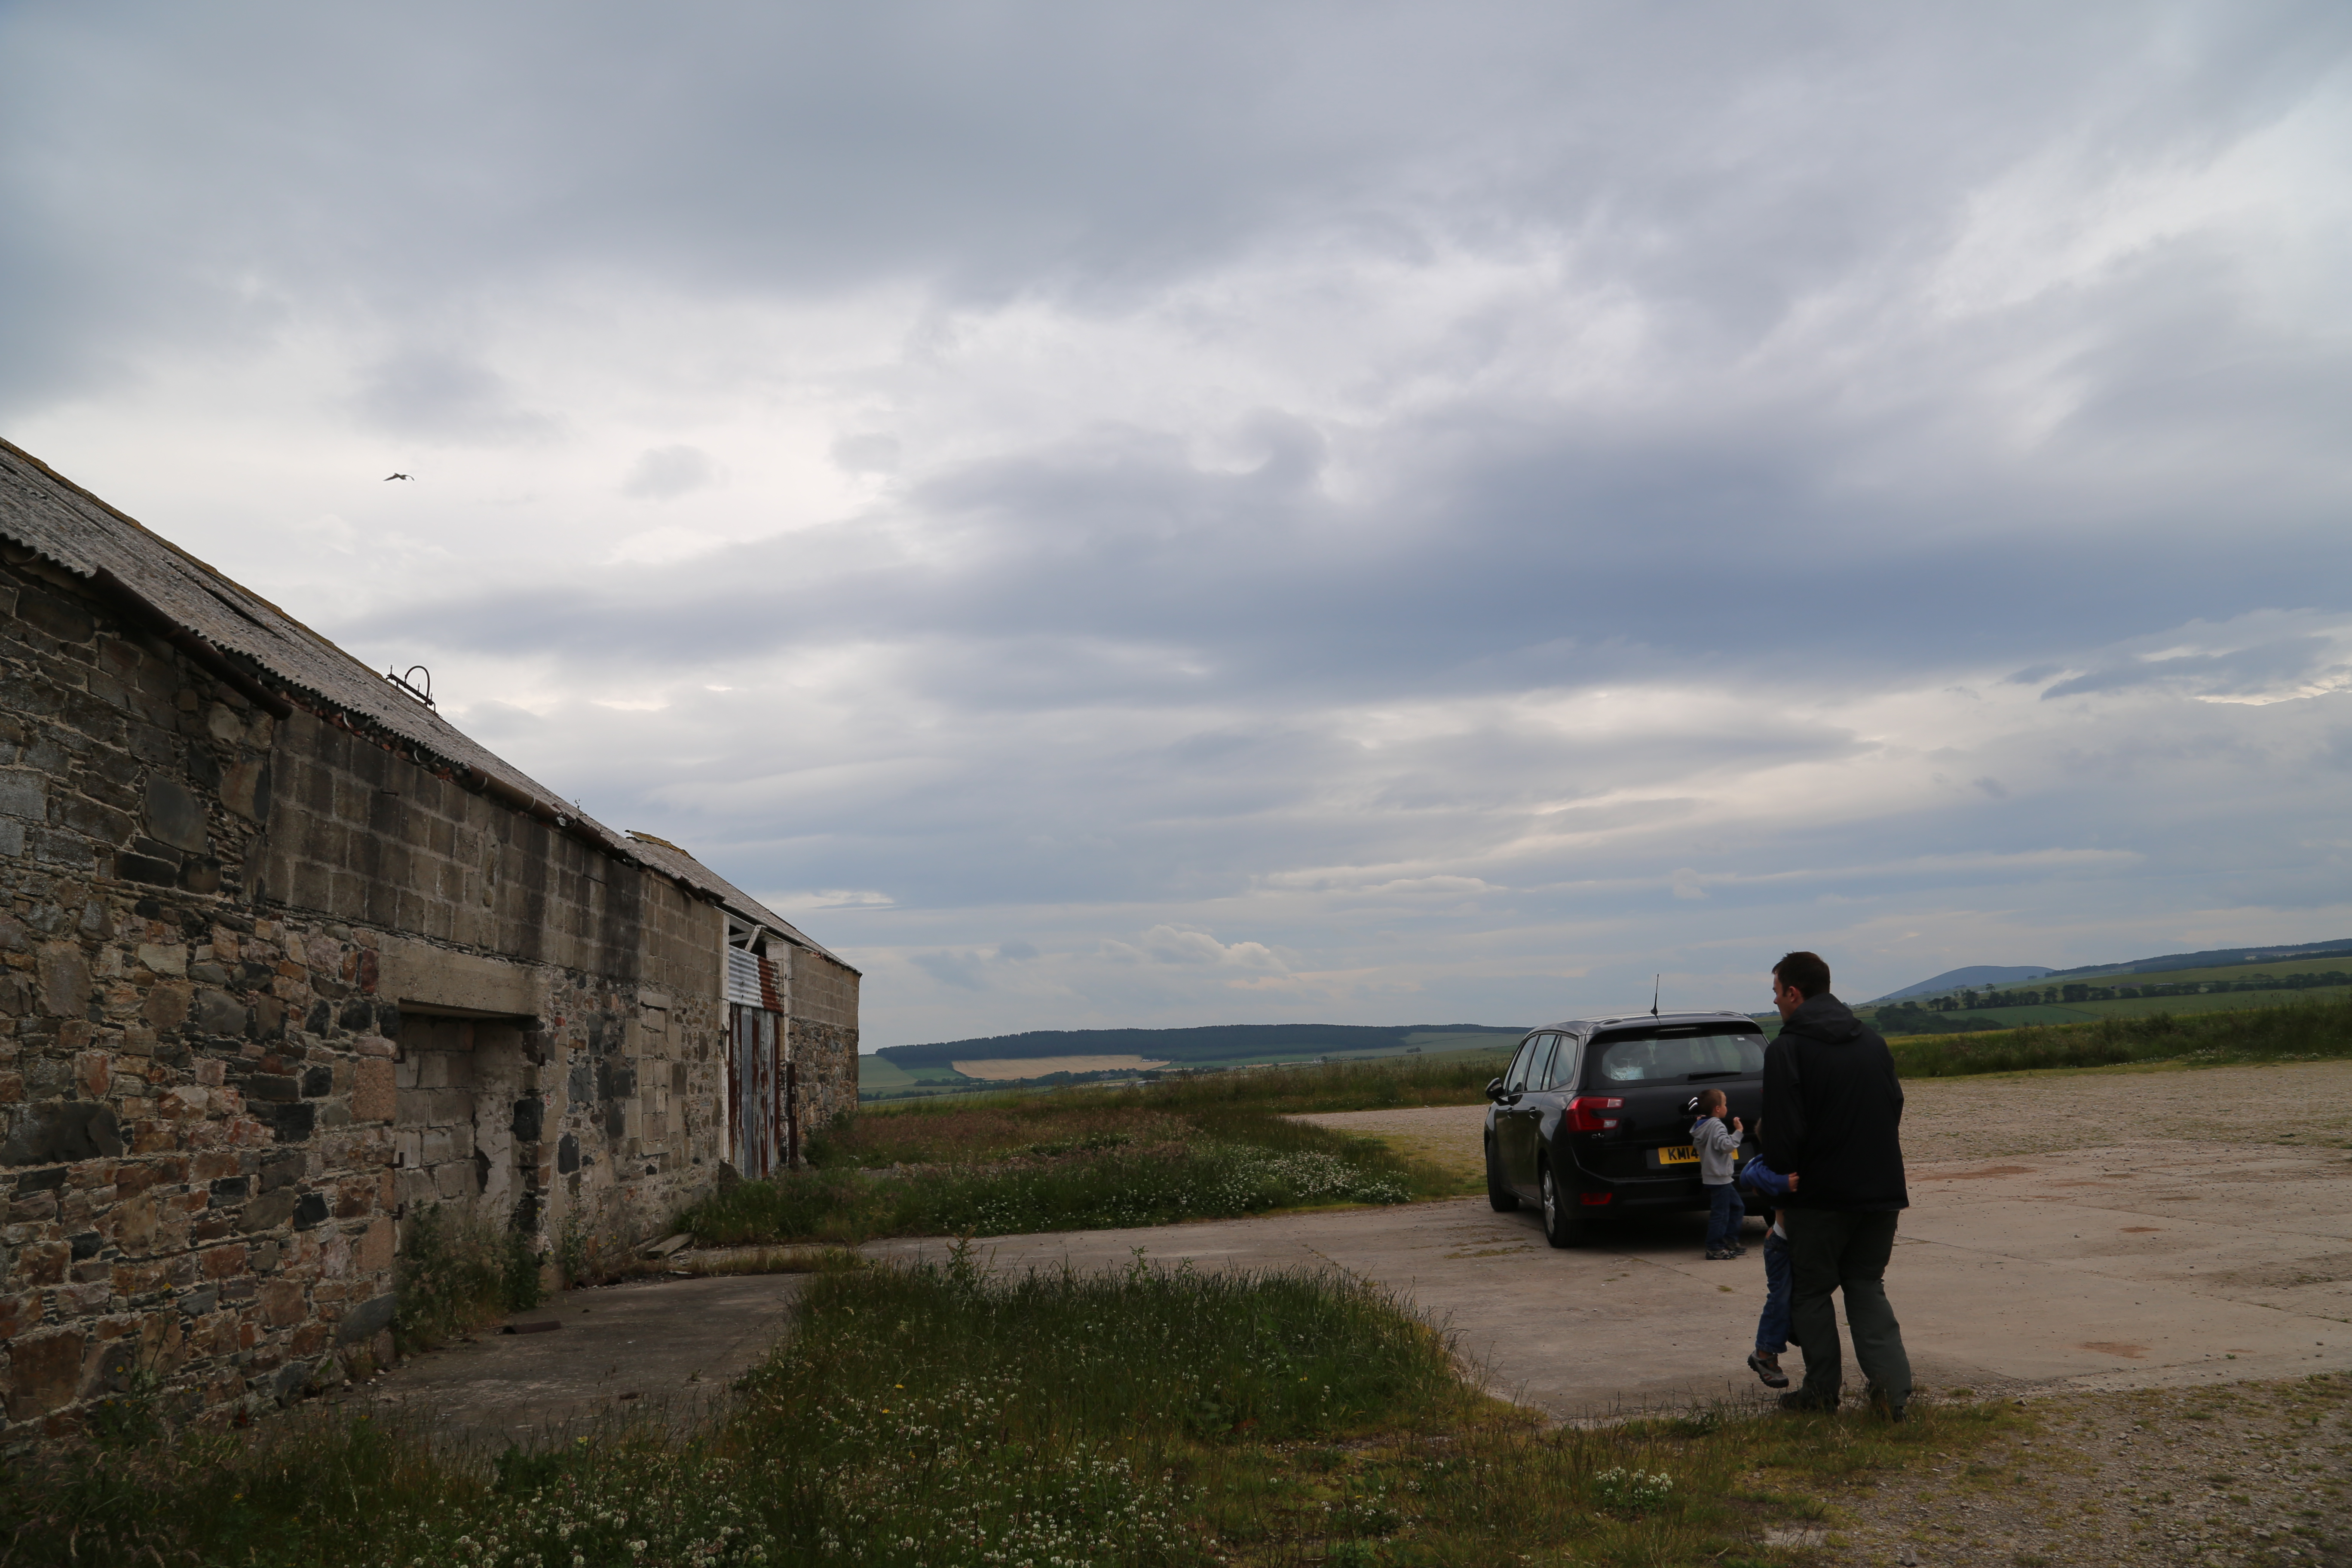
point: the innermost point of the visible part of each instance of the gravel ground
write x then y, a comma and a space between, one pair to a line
2038, 1114
2242, 1473
2016, 1113
2252, 1472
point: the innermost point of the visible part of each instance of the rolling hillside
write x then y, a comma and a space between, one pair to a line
1978, 976
2228, 979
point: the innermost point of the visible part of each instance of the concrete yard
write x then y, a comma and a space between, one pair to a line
2042, 1251
644, 1350
2076, 1260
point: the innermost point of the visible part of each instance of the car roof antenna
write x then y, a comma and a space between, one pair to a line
1655, 980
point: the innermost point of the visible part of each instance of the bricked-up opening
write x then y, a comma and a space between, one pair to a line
467, 1125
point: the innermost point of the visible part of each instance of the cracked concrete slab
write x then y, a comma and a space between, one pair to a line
661, 1350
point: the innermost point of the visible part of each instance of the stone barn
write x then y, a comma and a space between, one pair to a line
287, 961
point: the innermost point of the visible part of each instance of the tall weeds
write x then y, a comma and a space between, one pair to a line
453, 1273
1110, 1188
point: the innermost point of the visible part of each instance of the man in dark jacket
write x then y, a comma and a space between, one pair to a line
1833, 1107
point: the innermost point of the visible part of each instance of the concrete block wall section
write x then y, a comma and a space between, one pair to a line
822, 1032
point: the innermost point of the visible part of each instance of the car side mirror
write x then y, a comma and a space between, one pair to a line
1494, 1089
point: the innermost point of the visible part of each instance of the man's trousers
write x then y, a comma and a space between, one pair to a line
1832, 1250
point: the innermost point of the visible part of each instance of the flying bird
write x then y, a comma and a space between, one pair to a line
389, 477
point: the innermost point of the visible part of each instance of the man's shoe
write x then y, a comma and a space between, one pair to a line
1717, 1255
1801, 1400
1738, 1251
1881, 1406
1767, 1367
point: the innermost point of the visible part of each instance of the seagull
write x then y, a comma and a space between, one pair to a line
389, 477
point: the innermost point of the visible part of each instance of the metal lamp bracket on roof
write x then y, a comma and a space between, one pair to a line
422, 693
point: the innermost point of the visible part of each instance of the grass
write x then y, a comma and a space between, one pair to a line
1075, 1161
1196, 1146
2301, 1031
939, 1416
1455, 1077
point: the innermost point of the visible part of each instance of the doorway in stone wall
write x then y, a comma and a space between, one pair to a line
762, 1132
756, 1096
462, 1085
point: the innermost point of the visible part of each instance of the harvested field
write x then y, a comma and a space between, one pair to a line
1011, 1068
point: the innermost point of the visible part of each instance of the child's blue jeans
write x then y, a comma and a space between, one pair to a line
1725, 1214
1772, 1326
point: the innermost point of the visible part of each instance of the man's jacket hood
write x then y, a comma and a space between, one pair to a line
1826, 1019
1833, 1111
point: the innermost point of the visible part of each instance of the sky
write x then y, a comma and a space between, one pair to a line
1204, 513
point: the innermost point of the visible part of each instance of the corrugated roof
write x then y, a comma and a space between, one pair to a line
67, 526
668, 856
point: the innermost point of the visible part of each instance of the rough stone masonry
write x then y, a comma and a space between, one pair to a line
287, 961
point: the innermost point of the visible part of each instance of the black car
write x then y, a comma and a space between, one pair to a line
1592, 1117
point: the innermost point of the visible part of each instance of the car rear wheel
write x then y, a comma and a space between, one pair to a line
1499, 1196
1564, 1223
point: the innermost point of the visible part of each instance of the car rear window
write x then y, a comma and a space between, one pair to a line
1674, 1053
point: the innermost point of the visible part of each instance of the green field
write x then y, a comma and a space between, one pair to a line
911, 1073
2122, 993
2136, 1006
2311, 1030
880, 1072
2267, 969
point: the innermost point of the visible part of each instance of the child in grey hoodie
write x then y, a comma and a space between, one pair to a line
1718, 1151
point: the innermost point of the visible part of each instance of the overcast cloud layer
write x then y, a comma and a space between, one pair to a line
1205, 514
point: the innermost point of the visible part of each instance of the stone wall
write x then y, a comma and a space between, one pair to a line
197, 1098
267, 987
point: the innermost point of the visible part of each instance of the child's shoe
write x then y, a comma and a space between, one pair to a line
1718, 1255
1767, 1367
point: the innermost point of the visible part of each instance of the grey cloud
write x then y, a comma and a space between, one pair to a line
448, 398
1732, 169
960, 970
869, 453
2243, 671
665, 473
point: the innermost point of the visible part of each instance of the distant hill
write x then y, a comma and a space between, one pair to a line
1214, 1043
1975, 974
2211, 958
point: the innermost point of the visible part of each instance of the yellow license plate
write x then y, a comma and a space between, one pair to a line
1685, 1155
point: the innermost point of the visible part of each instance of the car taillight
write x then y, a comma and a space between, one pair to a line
1594, 1200
1584, 1112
